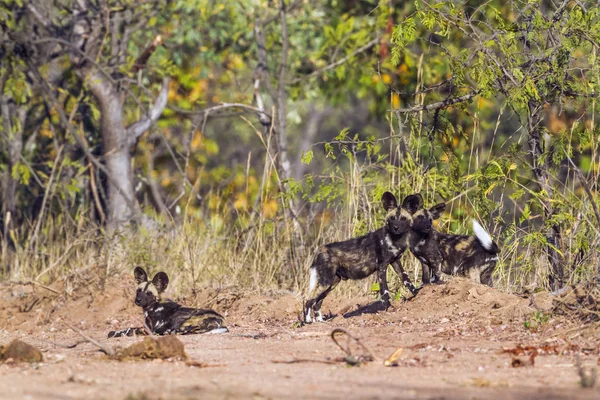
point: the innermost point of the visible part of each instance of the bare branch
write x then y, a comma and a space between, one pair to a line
439, 105
337, 63
140, 62
262, 71
291, 7
38, 15
136, 130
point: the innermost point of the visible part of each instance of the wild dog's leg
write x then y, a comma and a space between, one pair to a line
486, 275
128, 332
322, 274
425, 272
397, 265
319, 300
384, 292
312, 286
205, 321
435, 275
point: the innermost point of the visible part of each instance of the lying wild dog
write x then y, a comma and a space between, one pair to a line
360, 257
168, 317
471, 256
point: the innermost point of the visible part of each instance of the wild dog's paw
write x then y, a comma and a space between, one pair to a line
319, 316
383, 305
307, 315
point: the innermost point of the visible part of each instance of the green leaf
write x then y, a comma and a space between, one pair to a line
307, 157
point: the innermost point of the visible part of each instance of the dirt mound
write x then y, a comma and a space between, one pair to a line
465, 298
163, 347
93, 301
19, 351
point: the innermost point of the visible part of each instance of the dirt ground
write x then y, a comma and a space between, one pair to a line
452, 335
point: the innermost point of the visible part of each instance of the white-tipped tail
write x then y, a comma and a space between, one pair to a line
313, 280
219, 330
484, 238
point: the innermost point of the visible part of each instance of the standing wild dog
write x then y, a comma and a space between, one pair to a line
360, 257
168, 317
472, 256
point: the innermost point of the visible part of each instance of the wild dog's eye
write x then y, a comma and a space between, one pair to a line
139, 290
393, 218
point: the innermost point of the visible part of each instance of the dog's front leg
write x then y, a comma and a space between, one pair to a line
128, 332
384, 293
397, 265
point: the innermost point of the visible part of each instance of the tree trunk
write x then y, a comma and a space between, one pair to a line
13, 136
122, 206
540, 170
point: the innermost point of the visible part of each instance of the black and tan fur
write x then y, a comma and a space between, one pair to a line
462, 255
360, 257
168, 317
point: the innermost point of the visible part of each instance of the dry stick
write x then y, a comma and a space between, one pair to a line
339, 62
585, 186
106, 350
366, 357
95, 194
37, 284
307, 360
57, 164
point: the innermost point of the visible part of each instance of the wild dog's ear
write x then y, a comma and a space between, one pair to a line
437, 210
140, 275
389, 201
412, 203
160, 281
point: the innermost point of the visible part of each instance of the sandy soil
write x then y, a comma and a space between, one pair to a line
452, 337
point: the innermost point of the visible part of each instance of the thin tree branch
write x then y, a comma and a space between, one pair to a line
135, 130
38, 15
337, 63
262, 71
219, 107
273, 18
439, 105
140, 62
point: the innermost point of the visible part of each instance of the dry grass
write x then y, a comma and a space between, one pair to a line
252, 253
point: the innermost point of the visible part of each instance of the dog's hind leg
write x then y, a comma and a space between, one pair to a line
322, 274
318, 301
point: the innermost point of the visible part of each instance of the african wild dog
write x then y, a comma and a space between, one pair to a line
360, 257
471, 256
168, 317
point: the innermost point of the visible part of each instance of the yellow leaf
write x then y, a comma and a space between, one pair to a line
395, 100
196, 140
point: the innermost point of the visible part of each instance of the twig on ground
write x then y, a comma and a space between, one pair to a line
36, 284
351, 358
105, 349
308, 360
